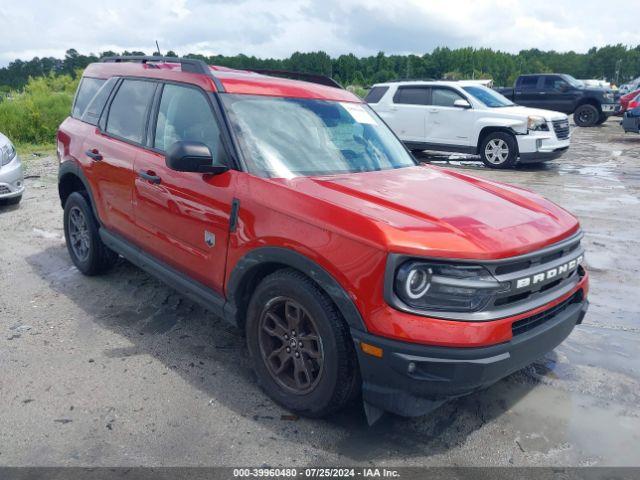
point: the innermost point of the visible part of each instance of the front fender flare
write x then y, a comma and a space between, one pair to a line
249, 264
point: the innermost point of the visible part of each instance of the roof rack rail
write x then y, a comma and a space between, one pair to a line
405, 79
191, 65
306, 77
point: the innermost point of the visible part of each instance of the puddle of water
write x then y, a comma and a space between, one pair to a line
547, 421
613, 350
606, 170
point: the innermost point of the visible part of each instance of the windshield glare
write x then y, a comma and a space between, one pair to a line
490, 98
290, 137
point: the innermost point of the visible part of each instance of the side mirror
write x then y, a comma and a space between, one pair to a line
461, 103
563, 87
187, 156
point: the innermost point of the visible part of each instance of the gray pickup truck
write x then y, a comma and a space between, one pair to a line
563, 93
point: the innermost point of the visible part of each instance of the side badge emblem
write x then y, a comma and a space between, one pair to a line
209, 239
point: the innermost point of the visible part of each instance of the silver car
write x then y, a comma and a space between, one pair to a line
11, 177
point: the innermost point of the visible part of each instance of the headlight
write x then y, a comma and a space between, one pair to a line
536, 123
608, 96
444, 287
7, 153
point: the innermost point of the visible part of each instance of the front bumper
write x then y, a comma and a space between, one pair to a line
541, 146
609, 108
413, 379
11, 179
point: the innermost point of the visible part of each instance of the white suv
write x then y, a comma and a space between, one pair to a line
467, 117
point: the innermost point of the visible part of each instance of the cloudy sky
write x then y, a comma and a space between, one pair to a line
277, 28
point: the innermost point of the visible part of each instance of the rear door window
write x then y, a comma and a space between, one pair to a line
528, 83
86, 90
129, 110
412, 96
375, 94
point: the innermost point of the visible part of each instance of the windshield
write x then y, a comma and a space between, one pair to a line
290, 137
573, 81
490, 98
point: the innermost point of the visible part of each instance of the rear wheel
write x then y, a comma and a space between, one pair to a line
85, 247
498, 150
300, 346
586, 115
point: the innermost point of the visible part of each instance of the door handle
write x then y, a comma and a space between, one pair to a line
435, 110
149, 176
94, 154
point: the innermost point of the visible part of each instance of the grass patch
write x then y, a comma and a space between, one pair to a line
32, 115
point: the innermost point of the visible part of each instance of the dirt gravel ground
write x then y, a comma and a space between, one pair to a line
120, 370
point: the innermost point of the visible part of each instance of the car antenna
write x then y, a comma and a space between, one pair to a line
158, 48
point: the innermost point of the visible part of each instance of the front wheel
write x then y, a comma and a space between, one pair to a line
601, 119
499, 150
586, 115
300, 346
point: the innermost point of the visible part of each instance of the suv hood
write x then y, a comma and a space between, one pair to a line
431, 211
520, 111
598, 90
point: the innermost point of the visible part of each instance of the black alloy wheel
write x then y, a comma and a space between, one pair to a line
290, 345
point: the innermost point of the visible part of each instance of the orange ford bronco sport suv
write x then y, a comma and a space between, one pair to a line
290, 209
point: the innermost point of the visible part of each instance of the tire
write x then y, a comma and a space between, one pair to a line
11, 201
332, 378
586, 115
601, 119
499, 150
85, 247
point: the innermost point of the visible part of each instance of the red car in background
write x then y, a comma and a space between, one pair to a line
626, 99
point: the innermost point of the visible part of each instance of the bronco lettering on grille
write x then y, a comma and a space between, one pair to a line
549, 274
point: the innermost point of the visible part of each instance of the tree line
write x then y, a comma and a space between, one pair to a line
613, 62
36, 95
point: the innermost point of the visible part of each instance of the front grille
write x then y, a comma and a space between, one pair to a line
529, 323
561, 127
4, 190
525, 278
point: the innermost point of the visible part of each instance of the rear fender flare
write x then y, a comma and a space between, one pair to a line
71, 167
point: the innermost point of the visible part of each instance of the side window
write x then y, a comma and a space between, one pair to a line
412, 96
554, 83
129, 108
528, 83
375, 94
185, 114
86, 90
96, 105
444, 97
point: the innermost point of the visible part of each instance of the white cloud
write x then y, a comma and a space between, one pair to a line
277, 28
